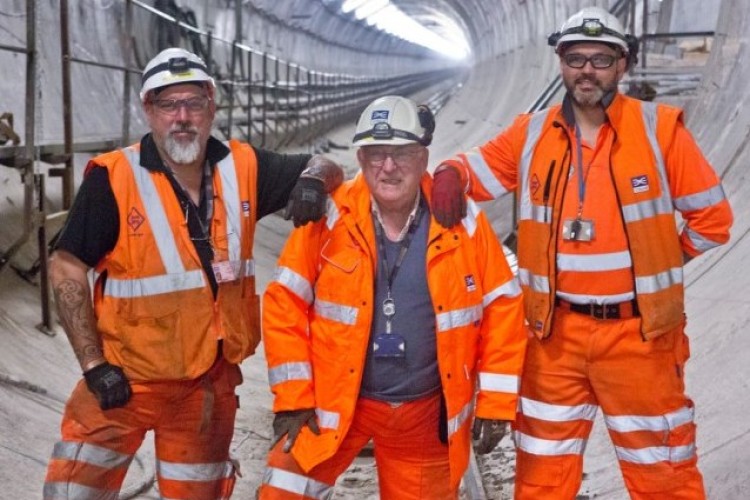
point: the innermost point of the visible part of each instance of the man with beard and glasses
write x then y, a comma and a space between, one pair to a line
598, 179
167, 225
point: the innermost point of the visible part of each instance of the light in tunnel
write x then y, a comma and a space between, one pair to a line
385, 16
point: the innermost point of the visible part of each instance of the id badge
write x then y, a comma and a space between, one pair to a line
389, 345
578, 230
224, 271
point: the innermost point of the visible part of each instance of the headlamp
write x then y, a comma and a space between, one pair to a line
592, 27
178, 65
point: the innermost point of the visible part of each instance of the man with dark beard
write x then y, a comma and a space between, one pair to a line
598, 179
167, 225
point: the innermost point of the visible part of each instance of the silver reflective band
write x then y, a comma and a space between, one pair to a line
328, 419
470, 221
90, 454
658, 423
497, 382
295, 282
299, 370
336, 312
548, 447
194, 472
556, 413
297, 483
455, 423
656, 454
458, 318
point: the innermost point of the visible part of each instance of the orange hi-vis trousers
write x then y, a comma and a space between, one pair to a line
411, 461
587, 363
193, 423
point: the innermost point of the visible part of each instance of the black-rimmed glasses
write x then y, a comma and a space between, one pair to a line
598, 61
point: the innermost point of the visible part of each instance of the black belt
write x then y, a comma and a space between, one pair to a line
623, 310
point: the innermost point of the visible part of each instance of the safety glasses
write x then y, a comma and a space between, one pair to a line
598, 61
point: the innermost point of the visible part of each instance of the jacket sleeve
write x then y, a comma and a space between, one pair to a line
503, 334
286, 305
491, 170
697, 194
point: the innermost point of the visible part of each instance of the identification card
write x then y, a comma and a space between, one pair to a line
224, 271
578, 230
389, 345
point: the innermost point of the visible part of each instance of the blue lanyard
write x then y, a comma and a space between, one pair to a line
581, 179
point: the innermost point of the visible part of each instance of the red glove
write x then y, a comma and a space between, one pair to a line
448, 200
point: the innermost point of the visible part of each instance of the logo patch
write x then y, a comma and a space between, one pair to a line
640, 184
246, 208
534, 184
135, 219
470, 283
379, 114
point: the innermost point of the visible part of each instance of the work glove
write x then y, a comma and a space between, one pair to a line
307, 202
487, 433
109, 385
290, 423
448, 200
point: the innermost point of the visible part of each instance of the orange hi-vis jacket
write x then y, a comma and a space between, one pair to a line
155, 310
651, 180
318, 311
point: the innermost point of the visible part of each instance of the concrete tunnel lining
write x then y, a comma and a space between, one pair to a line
511, 65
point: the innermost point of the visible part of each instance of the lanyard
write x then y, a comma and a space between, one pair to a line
391, 275
207, 195
581, 179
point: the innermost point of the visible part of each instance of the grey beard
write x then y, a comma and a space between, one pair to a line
181, 153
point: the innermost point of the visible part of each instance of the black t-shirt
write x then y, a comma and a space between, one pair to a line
93, 223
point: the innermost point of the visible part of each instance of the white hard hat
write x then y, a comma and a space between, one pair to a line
590, 24
171, 66
394, 120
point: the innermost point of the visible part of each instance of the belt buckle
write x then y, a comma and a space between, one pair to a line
605, 311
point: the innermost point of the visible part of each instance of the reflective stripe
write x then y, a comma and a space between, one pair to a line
635, 212
656, 454
658, 282
699, 242
508, 289
194, 472
295, 282
484, 173
328, 419
537, 446
230, 193
577, 298
297, 483
704, 199
157, 217
496, 382
534, 131
536, 282
336, 312
65, 491
633, 423
154, 285
594, 262
458, 318
90, 454
332, 213
556, 413
470, 221
542, 214
455, 423
299, 370
648, 109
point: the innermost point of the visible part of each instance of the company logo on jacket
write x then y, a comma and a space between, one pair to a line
640, 184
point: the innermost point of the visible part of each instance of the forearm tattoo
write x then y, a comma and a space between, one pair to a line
76, 313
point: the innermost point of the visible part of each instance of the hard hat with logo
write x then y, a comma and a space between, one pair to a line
394, 120
591, 24
172, 66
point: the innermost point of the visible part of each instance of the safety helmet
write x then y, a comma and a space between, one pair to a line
591, 24
172, 66
394, 120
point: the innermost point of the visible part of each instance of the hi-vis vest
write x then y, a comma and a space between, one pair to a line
648, 215
154, 307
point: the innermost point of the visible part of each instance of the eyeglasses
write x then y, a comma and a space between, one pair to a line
598, 61
171, 106
401, 156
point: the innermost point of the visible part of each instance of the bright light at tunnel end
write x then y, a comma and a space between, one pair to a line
385, 16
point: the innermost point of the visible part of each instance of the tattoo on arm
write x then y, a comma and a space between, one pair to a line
76, 312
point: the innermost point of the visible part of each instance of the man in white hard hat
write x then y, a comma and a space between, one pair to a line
167, 225
380, 325
598, 179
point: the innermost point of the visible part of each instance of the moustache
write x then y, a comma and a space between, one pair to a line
181, 128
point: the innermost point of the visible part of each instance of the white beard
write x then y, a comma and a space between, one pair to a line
182, 153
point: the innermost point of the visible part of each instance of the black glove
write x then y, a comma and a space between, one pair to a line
290, 423
448, 200
109, 385
307, 202
487, 433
